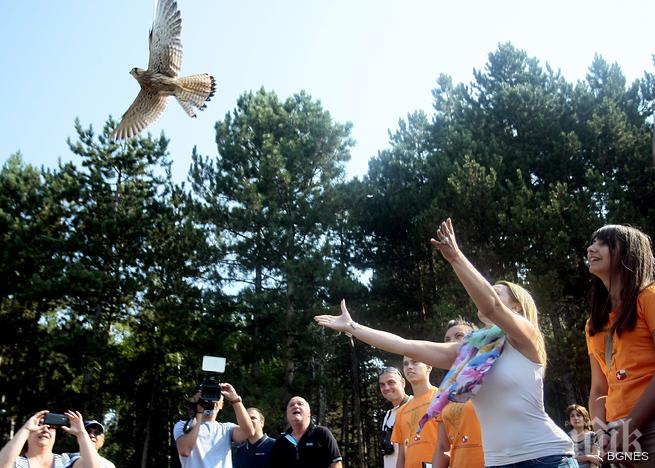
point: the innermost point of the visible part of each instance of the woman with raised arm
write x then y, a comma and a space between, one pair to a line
499, 367
621, 343
40, 439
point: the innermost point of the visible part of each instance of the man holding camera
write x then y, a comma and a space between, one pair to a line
392, 387
202, 442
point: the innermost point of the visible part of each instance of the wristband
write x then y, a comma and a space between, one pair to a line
354, 326
236, 400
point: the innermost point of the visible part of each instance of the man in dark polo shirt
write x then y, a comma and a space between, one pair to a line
256, 451
305, 445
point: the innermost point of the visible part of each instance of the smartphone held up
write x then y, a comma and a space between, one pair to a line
56, 419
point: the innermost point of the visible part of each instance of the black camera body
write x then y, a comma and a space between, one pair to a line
386, 446
210, 388
210, 392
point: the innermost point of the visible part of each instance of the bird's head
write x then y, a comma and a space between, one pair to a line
136, 72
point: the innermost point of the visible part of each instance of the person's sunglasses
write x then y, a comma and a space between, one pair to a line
389, 370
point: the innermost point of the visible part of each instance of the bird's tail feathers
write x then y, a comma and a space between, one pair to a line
195, 91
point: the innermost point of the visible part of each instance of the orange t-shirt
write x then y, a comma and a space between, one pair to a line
632, 364
464, 435
404, 430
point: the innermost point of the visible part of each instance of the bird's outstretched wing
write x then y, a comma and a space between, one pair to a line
145, 109
165, 43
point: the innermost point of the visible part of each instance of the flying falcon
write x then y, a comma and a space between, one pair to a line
161, 79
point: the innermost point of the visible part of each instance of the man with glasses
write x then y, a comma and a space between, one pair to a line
392, 387
96, 433
256, 451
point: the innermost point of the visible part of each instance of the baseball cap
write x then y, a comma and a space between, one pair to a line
94, 423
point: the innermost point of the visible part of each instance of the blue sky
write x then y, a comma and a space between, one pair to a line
369, 62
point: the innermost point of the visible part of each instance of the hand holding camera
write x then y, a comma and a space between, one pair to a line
76, 423
71, 422
198, 405
230, 394
211, 390
34, 423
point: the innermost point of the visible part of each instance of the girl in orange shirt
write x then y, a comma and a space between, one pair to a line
460, 441
621, 343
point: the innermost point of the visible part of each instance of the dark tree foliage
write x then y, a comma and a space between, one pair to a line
116, 280
271, 201
528, 166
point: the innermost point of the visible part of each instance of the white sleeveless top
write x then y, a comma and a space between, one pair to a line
510, 407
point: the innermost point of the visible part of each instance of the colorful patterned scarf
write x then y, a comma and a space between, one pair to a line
475, 358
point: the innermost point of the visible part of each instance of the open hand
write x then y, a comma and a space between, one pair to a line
340, 323
34, 423
77, 423
228, 391
445, 241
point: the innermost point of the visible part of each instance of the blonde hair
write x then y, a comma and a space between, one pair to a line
529, 311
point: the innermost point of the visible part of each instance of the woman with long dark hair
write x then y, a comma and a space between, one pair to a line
621, 341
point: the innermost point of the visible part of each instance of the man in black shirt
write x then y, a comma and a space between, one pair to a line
305, 445
256, 451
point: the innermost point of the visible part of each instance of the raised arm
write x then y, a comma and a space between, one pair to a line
186, 442
12, 449
439, 355
89, 457
244, 427
521, 333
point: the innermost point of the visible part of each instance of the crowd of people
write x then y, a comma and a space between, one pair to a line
495, 375
488, 410
203, 442
32, 445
